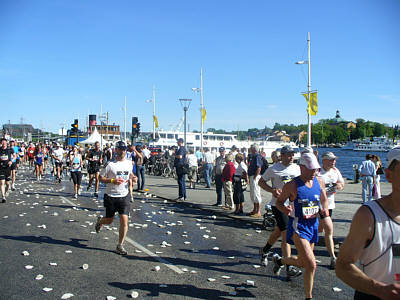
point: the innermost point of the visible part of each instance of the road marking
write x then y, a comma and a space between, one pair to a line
149, 253
70, 202
140, 247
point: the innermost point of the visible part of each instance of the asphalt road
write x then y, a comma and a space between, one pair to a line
199, 255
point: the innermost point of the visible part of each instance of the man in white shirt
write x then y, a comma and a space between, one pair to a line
117, 175
279, 174
333, 181
146, 152
368, 173
58, 155
208, 163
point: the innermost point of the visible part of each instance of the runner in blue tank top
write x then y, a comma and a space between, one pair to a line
307, 196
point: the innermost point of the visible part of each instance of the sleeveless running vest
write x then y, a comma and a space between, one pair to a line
76, 164
307, 203
380, 259
39, 157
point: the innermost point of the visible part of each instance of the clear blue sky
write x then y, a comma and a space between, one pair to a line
62, 59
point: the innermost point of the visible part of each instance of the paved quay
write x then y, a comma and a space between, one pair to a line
201, 253
347, 201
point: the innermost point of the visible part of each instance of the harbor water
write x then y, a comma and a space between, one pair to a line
347, 158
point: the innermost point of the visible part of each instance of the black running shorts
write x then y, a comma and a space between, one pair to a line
5, 174
93, 168
76, 177
121, 205
281, 218
13, 166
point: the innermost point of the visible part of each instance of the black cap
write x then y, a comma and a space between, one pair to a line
180, 140
120, 145
221, 149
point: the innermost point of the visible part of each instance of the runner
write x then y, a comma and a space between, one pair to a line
22, 154
31, 155
6, 157
58, 155
306, 194
374, 240
39, 160
279, 174
15, 162
95, 159
333, 181
76, 170
117, 175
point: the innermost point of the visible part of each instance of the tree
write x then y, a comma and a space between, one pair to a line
379, 129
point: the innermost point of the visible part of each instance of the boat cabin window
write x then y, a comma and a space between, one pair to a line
176, 136
162, 135
170, 136
212, 138
197, 137
220, 138
227, 138
205, 137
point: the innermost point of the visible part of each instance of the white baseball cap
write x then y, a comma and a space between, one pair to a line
309, 160
393, 154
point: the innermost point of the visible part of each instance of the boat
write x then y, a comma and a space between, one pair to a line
213, 141
376, 144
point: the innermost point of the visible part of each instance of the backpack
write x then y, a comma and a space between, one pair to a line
264, 166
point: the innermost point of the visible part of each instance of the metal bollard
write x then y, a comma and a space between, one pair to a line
356, 173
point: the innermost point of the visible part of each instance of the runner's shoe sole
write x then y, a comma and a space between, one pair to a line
121, 250
98, 225
276, 268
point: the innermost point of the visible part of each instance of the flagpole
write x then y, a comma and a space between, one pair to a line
125, 119
154, 113
309, 93
201, 109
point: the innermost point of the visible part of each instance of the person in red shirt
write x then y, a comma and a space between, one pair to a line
227, 177
31, 155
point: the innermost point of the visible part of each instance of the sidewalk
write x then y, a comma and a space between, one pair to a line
347, 201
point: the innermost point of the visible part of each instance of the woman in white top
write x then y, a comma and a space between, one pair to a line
238, 188
76, 170
191, 160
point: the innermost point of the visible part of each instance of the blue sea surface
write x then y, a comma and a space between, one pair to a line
347, 158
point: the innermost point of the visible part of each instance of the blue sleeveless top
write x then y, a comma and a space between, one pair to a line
39, 157
307, 203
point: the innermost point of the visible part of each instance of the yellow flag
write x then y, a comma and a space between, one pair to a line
155, 119
203, 115
314, 103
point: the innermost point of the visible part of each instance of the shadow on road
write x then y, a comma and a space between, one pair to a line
186, 290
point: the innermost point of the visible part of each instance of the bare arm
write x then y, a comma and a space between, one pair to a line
323, 198
289, 191
361, 231
264, 185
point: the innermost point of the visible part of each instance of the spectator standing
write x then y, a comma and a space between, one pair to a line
367, 172
219, 167
199, 156
254, 176
179, 163
227, 179
379, 172
208, 163
192, 162
240, 173
140, 172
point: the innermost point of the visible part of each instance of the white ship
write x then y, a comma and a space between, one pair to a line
377, 144
214, 141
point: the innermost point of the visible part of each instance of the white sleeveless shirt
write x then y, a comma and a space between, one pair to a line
380, 259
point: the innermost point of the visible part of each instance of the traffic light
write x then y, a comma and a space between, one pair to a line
75, 126
135, 131
138, 128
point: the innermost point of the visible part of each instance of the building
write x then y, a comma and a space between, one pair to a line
20, 130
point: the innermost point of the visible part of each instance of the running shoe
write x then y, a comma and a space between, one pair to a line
332, 265
292, 272
131, 199
276, 268
98, 225
96, 195
264, 256
3, 200
13, 187
76, 196
121, 250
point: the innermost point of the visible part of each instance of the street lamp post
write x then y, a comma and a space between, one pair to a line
201, 108
185, 104
302, 62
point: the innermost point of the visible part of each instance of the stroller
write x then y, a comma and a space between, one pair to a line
269, 221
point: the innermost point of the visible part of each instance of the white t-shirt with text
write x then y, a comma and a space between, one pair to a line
118, 169
330, 177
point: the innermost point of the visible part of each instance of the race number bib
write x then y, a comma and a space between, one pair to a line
4, 157
95, 157
123, 175
309, 208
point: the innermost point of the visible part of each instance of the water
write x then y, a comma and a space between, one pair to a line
347, 158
